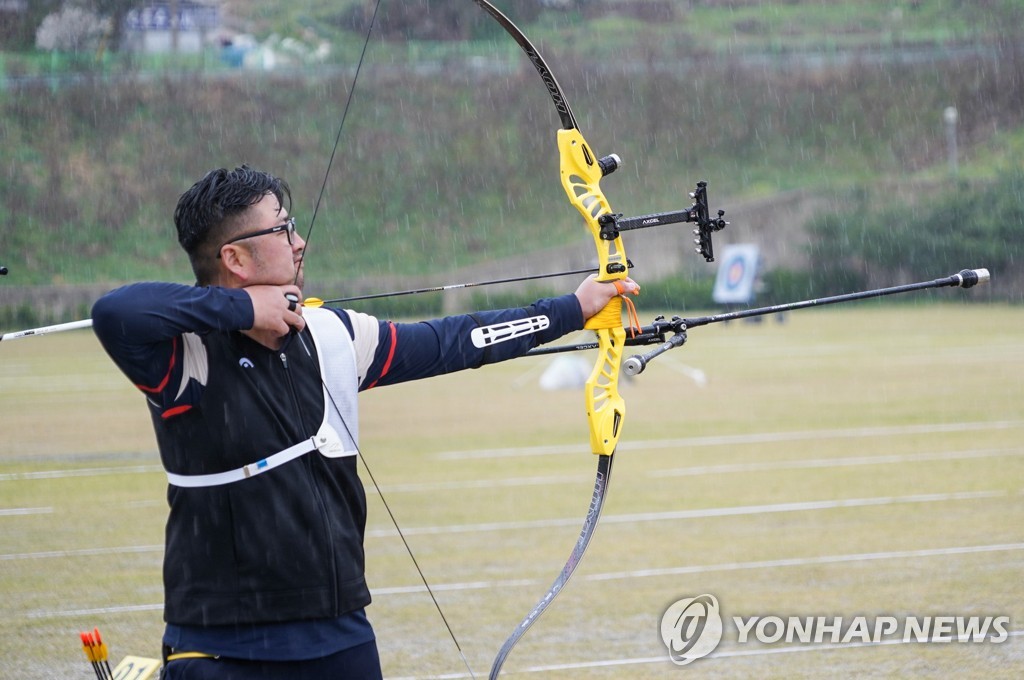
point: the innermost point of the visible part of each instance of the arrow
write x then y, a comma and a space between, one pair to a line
317, 302
44, 330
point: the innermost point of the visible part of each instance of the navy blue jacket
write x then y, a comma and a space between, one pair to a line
285, 545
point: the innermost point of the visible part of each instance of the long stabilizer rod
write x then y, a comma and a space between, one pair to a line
967, 278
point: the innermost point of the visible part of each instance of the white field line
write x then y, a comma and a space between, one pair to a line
637, 574
81, 472
418, 487
802, 506
97, 611
489, 527
803, 561
703, 664
731, 440
766, 466
726, 440
82, 552
15, 512
849, 461
709, 568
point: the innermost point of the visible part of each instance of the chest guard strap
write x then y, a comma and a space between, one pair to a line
328, 333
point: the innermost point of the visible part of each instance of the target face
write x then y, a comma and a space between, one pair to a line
734, 283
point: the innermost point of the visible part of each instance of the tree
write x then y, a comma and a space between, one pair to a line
20, 21
72, 29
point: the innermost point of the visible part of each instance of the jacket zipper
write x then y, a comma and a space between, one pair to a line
316, 489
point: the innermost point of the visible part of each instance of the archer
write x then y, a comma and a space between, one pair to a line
253, 402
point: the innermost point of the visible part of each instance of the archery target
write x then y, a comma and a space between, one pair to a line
734, 283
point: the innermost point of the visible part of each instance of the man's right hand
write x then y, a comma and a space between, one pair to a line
272, 318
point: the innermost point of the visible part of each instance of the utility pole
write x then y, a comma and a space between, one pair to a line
951, 116
175, 20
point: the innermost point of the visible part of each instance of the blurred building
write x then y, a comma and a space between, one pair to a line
171, 25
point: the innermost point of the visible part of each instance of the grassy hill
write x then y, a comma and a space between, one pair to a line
668, 26
448, 159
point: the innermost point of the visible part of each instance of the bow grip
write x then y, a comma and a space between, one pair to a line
609, 317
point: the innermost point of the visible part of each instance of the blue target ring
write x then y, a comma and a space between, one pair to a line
736, 271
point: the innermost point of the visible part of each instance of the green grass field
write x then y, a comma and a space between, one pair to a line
856, 461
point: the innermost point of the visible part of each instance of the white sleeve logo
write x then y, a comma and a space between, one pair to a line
485, 336
195, 364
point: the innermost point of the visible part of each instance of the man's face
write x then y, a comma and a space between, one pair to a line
276, 256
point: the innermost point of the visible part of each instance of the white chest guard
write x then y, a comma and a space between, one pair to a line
339, 429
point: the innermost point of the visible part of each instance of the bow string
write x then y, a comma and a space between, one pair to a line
314, 302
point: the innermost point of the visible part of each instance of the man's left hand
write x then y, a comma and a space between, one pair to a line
595, 296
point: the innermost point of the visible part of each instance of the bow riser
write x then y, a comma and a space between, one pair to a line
581, 179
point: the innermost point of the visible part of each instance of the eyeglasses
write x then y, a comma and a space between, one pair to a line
288, 227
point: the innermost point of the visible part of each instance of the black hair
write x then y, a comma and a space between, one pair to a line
205, 214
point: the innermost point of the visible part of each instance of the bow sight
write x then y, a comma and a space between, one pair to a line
698, 213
